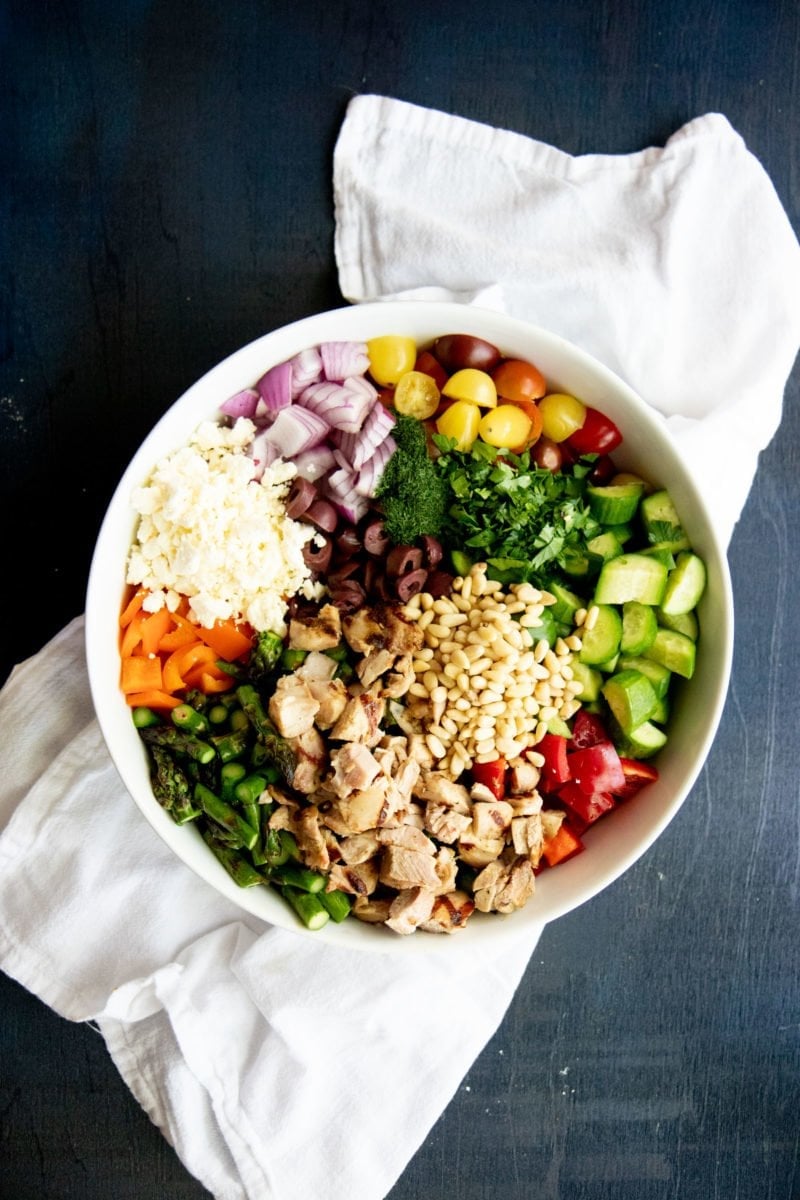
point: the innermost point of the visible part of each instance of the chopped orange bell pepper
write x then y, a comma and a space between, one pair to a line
132, 607
151, 699
228, 639
561, 846
140, 674
154, 627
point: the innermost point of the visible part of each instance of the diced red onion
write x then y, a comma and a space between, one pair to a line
306, 369
275, 390
263, 453
296, 429
348, 503
362, 386
341, 360
339, 406
313, 464
368, 478
242, 404
358, 447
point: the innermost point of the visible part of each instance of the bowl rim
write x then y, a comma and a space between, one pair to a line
246, 364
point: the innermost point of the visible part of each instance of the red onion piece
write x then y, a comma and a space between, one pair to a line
323, 515
262, 452
275, 390
313, 464
340, 360
296, 429
242, 404
302, 495
362, 386
369, 476
306, 369
342, 408
358, 447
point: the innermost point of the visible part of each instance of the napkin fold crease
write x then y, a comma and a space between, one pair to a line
277, 1066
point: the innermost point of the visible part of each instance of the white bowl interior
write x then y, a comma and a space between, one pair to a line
612, 845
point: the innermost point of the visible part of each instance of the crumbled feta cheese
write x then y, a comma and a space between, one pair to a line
210, 531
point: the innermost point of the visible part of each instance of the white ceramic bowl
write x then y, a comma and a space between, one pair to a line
612, 845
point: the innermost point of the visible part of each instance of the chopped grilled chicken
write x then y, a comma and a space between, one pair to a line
359, 811
398, 681
551, 823
446, 869
317, 666
320, 632
395, 743
311, 839
354, 768
312, 759
292, 708
479, 854
437, 787
491, 820
406, 777
523, 778
374, 665
374, 910
282, 817
503, 887
401, 869
359, 847
381, 628
407, 836
526, 805
418, 750
361, 879
450, 913
526, 837
479, 791
445, 823
332, 697
360, 720
409, 909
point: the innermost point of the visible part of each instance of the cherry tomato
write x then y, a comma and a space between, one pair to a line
597, 435
416, 395
531, 411
429, 366
519, 380
562, 415
390, 357
505, 427
547, 454
461, 422
473, 385
458, 350
602, 471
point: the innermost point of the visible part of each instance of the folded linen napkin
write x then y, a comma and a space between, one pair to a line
237, 1038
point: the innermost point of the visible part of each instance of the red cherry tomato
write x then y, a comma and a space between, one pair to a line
518, 380
547, 454
428, 365
603, 471
597, 435
458, 351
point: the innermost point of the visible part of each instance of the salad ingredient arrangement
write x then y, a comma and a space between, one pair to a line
399, 632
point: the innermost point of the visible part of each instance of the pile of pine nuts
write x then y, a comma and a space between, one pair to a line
481, 690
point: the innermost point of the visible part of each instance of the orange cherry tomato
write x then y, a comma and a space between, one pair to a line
518, 380
531, 411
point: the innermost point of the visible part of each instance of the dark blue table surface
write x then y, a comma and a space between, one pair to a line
166, 197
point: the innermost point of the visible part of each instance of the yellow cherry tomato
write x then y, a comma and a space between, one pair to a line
390, 357
416, 395
561, 415
473, 385
460, 421
505, 427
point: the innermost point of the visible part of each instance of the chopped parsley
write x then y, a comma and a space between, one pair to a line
504, 509
412, 493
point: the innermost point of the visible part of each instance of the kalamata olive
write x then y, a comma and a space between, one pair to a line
371, 573
375, 539
348, 596
602, 471
547, 454
342, 572
439, 583
455, 351
323, 515
402, 560
408, 585
302, 495
317, 558
382, 588
431, 549
348, 542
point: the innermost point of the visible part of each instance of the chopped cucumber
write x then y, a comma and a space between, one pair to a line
631, 577
643, 742
609, 666
661, 714
601, 642
658, 509
615, 504
685, 585
639, 627
462, 563
605, 546
658, 675
675, 651
566, 605
686, 623
558, 726
578, 565
590, 678
632, 699
663, 553
547, 630
623, 533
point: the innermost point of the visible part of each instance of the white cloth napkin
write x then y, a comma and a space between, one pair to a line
275, 1066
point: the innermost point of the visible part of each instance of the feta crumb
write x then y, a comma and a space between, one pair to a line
210, 531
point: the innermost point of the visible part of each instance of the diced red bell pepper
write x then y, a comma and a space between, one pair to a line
587, 808
492, 775
637, 775
556, 770
587, 730
597, 768
563, 845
